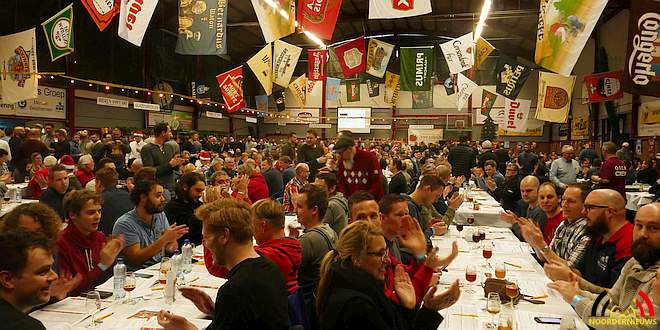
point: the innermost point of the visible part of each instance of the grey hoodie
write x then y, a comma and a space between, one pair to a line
337, 214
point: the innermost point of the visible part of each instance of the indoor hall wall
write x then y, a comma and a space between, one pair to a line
220, 126
88, 114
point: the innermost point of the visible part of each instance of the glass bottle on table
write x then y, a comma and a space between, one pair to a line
512, 291
92, 305
129, 285
493, 306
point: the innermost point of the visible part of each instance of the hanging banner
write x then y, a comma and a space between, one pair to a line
465, 87
510, 76
353, 90
314, 94
319, 16
334, 69
554, 99
231, 86
297, 88
273, 21
202, 27
378, 56
316, 59
566, 27
398, 9
134, 17
102, 11
487, 102
18, 53
483, 49
517, 113
279, 98
422, 99
391, 86
373, 87
604, 86
450, 84
416, 68
261, 102
285, 57
352, 57
262, 66
459, 53
432, 135
59, 33
580, 126
332, 89
642, 63
649, 119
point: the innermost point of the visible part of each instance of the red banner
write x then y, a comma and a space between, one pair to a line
319, 16
231, 86
102, 11
352, 57
316, 59
604, 86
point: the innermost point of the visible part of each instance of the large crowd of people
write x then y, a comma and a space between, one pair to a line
363, 257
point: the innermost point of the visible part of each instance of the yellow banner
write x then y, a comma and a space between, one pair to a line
298, 89
262, 66
554, 99
580, 126
392, 86
484, 48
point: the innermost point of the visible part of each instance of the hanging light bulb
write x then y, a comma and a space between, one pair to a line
107, 88
72, 81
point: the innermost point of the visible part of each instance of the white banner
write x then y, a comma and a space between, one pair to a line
295, 116
262, 66
465, 89
50, 103
285, 58
424, 135
516, 115
112, 102
398, 8
314, 92
18, 53
251, 119
146, 106
459, 53
320, 125
134, 17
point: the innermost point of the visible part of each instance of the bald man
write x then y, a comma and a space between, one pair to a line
527, 207
610, 246
564, 170
640, 273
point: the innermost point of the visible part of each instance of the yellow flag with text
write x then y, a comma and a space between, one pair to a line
298, 89
262, 66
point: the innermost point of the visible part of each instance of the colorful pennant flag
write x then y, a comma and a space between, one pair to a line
353, 90
580, 126
416, 68
391, 85
102, 12
59, 33
450, 84
554, 100
298, 89
510, 76
262, 66
398, 8
483, 49
285, 58
18, 81
314, 94
352, 57
231, 86
373, 87
274, 24
134, 17
319, 17
465, 88
487, 102
516, 113
566, 26
261, 102
604, 86
332, 89
316, 59
279, 98
642, 63
334, 69
378, 56
202, 27
459, 53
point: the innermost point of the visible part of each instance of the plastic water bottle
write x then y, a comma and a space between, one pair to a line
119, 273
186, 254
178, 269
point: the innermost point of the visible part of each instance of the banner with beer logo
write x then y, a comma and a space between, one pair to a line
422, 99
316, 59
202, 27
604, 86
554, 99
352, 57
459, 53
314, 94
510, 76
261, 102
334, 69
483, 48
59, 33
465, 88
642, 63
373, 87
516, 112
332, 89
416, 68
487, 102
353, 90
285, 58
398, 8
102, 11
231, 86
450, 84
274, 25
319, 16
391, 88
18, 80
262, 66
563, 29
649, 119
580, 126
378, 56
134, 17
298, 89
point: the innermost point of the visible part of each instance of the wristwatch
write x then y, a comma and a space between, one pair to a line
545, 249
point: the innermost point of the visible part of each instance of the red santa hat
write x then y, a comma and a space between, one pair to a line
204, 155
138, 133
67, 162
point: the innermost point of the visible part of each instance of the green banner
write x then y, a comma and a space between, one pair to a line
487, 102
416, 68
353, 90
59, 33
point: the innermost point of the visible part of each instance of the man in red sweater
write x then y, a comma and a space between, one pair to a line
82, 249
358, 169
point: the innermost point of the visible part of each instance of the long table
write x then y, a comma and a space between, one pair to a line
488, 213
469, 312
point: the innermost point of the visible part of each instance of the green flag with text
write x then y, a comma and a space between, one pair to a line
416, 68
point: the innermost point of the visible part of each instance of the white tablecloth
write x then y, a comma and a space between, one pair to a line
488, 213
6, 207
638, 199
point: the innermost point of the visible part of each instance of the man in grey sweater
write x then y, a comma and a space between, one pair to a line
337, 214
162, 156
564, 170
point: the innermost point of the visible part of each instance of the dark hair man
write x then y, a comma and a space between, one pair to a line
58, 186
311, 153
116, 201
337, 214
363, 206
613, 170
162, 156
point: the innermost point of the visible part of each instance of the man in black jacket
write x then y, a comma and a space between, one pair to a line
462, 158
116, 202
162, 156
509, 193
487, 154
58, 186
311, 154
398, 183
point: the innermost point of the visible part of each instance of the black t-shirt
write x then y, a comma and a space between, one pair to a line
602, 262
13, 319
254, 297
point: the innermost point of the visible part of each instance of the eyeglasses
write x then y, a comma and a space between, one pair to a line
381, 254
590, 207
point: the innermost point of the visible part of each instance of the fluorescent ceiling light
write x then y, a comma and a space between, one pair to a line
482, 19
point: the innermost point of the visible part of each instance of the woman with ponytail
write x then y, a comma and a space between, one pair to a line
350, 293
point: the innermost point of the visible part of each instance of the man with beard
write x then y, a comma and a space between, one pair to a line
162, 156
145, 228
311, 153
640, 273
358, 169
610, 246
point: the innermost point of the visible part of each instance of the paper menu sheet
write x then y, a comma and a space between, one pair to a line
453, 319
73, 305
